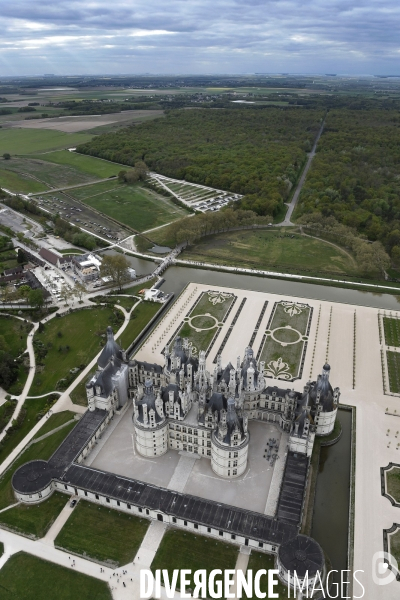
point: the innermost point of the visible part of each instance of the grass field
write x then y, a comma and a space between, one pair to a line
18, 182
392, 331
132, 205
26, 577
272, 249
40, 450
184, 550
34, 521
124, 301
142, 314
80, 337
54, 421
33, 141
258, 561
33, 408
393, 483
13, 334
102, 534
89, 165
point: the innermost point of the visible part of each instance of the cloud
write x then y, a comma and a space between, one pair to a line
191, 36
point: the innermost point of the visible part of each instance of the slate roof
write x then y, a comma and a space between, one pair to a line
301, 554
110, 349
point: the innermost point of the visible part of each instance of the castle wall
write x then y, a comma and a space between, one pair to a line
229, 461
152, 441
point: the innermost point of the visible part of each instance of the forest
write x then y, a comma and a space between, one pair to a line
355, 176
257, 153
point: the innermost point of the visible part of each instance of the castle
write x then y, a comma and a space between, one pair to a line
183, 406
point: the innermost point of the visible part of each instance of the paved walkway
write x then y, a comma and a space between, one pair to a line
182, 472
241, 565
58, 524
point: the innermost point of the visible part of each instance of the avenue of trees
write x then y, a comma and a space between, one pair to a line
355, 175
255, 153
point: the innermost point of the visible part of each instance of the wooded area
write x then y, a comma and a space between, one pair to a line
258, 153
355, 175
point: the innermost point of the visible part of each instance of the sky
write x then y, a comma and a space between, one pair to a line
199, 36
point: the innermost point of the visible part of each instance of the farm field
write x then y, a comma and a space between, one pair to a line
132, 205
33, 141
102, 534
272, 249
15, 181
27, 577
87, 165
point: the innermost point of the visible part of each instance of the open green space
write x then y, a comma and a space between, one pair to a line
70, 342
102, 534
38, 450
26, 577
199, 327
393, 364
19, 182
124, 301
54, 421
134, 205
283, 346
28, 417
184, 550
142, 314
392, 331
85, 164
33, 141
135, 289
34, 521
258, 561
13, 334
271, 249
393, 483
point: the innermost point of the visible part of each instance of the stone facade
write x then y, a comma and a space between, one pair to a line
183, 406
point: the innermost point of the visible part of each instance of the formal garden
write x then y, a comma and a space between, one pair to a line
205, 320
391, 328
284, 341
393, 483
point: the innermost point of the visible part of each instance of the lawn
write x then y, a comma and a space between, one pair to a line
200, 328
71, 341
78, 394
142, 314
55, 421
32, 407
26, 577
34, 521
13, 334
89, 165
134, 290
184, 550
272, 249
124, 301
133, 205
40, 450
102, 534
285, 338
393, 363
17, 182
392, 331
393, 483
33, 141
258, 561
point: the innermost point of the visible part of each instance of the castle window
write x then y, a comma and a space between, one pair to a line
196, 526
147, 511
230, 453
85, 493
208, 452
118, 503
108, 500
260, 545
185, 523
174, 519
234, 472
140, 510
208, 529
190, 431
233, 536
128, 506
229, 473
97, 497
235, 454
221, 533
235, 463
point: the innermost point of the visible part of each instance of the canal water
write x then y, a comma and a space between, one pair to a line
332, 496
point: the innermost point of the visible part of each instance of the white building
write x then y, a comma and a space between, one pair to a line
182, 406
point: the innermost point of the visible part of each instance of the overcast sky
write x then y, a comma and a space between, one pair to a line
199, 36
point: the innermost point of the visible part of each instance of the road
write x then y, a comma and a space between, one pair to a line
287, 221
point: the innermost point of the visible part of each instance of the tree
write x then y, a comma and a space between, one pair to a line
36, 298
79, 290
66, 293
6, 156
21, 258
116, 267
